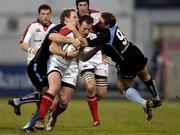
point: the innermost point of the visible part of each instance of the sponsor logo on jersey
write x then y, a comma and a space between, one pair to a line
37, 40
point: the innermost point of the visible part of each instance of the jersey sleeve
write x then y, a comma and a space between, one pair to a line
59, 29
97, 39
27, 35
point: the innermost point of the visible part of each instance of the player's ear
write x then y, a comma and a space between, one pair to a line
107, 26
66, 19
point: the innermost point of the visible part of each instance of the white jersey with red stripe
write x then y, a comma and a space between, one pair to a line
68, 68
34, 35
96, 61
95, 15
65, 62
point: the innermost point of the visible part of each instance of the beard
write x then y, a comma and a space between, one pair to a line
98, 27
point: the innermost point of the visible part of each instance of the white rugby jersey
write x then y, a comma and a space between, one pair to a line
34, 35
95, 15
63, 61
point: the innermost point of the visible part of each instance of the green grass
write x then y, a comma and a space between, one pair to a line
118, 117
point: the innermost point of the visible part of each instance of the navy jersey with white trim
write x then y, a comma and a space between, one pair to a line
113, 42
43, 53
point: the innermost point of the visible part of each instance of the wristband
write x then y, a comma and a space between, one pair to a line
29, 49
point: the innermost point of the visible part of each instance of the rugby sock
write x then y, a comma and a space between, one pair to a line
58, 111
152, 88
46, 102
33, 97
133, 95
93, 106
33, 120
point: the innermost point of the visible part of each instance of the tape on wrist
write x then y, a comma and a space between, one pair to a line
30, 50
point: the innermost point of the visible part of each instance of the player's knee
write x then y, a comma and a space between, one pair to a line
91, 86
122, 89
101, 93
63, 105
64, 100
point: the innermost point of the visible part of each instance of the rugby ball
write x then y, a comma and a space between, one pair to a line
69, 48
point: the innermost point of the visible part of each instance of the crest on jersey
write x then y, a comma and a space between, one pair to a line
38, 30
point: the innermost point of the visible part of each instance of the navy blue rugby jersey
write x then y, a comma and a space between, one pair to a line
113, 42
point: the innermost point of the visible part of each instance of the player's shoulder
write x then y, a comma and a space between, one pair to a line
65, 31
60, 28
31, 24
93, 11
34, 23
95, 15
52, 24
56, 28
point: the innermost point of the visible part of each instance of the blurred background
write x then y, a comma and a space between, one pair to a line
153, 25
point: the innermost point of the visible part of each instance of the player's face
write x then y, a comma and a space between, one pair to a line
73, 19
44, 16
83, 8
84, 29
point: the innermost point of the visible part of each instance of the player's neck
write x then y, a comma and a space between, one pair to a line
44, 24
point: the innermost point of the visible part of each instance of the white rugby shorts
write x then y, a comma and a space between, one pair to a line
95, 63
68, 72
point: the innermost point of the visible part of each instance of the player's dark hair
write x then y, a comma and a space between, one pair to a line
77, 2
66, 13
109, 19
45, 7
86, 18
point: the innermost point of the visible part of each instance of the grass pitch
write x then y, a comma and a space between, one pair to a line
118, 117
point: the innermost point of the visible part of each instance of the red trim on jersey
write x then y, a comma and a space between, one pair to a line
93, 11
25, 32
64, 31
46, 26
